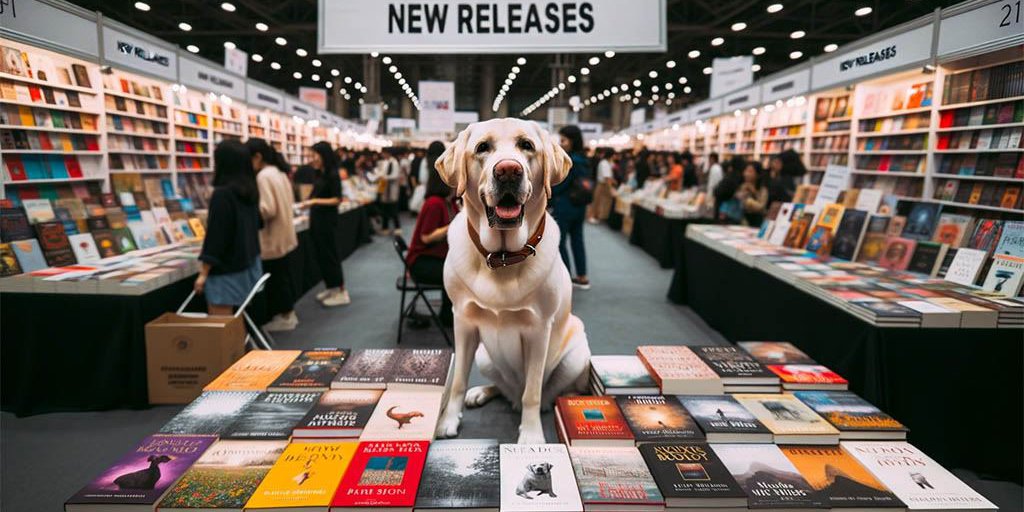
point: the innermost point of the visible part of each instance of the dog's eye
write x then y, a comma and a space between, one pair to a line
483, 147
525, 145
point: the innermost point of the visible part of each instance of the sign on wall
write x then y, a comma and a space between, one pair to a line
51, 24
400, 126
637, 116
997, 24
210, 78
787, 86
316, 96
498, 26
129, 51
888, 54
437, 106
236, 61
294, 107
262, 96
729, 74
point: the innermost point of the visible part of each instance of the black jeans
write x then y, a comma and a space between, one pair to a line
430, 270
571, 226
388, 211
280, 287
325, 244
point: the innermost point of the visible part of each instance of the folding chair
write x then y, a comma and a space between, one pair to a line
262, 340
406, 284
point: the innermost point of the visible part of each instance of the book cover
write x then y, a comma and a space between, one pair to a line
775, 352
312, 370
850, 414
657, 418
591, 420
917, 480
966, 266
339, 413
622, 374
210, 413
767, 476
897, 253
38, 210
8, 261
692, 475
366, 368
986, 235
306, 475
952, 229
1005, 276
1011, 240
921, 221
807, 375
927, 258
830, 216
421, 367
538, 477
677, 370
786, 416
735, 366
383, 474
54, 243
404, 414
849, 234
14, 225
462, 474
616, 477
255, 371
270, 416
840, 480
29, 255
723, 415
225, 476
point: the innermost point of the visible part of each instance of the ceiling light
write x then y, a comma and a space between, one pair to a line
863, 11
386, 60
348, 79
571, 79
708, 70
796, 55
142, 6
637, 82
755, 68
301, 52
314, 77
358, 85
655, 88
594, 61
584, 71
774, 8
508, 81
398, 76
683, 80
275, 66
653, 74
192, 48
736, 27
609, 54
184, 26
693, 54
257, 57
228, 6
561, 87
668, 86
262, 27
280, 41
297, 75
335, 72
670, 64
393, 69
328, 84
624, 86
717, 41
797, 34
829, 48
229, 45
401, 81
316, 63
374, 54
521, 61
687, 89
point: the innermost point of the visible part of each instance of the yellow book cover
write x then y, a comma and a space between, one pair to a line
197, 227
25, 113
65, 142
785, 414
830, 216
306, 475
254, 371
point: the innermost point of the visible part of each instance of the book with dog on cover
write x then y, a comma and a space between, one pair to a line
339, 413
614, 478
382, 475
538, 477
255, 371
854, 417
463, 474
690, 475
271, 416
767, 476
313, 370
305, 477
591, 421
657, 418
840, 480
404, 414
224, 477
678, 370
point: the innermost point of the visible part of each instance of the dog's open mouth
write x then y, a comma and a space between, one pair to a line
507, 214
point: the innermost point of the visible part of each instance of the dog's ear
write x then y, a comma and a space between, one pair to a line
451, 164
547, 466
556, 161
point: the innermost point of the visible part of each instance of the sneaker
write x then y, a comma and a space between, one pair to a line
321, 295
582, 284
337, 299
282, 323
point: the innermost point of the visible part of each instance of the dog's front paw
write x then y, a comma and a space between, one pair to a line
480, 395
448, 426
531, 436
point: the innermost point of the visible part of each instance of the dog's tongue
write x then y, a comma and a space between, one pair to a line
508, 212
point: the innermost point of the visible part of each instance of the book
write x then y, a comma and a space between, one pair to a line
54, 243
365, 369
305, 477
927, 258
769, 479
657, 418
677, 370
849, 234
14, 225
841, 481
404, 414
8, 261
313, 370
915, 479
383, 474
421, 367
790, 421
142, 476
255, 371
538, 477
225, 476
29, 255
463, 474
612, 478
621, 375
966, 266
724, 420
591, 421
921, 221
852, 416
1005, 276
38, 210
690, 475
808, 376
270, 416
775, 352
735, 367
1011, 240
211, 413
897, 253
338, 413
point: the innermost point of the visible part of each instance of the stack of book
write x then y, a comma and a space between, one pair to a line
739, 372
678, 371
620, 375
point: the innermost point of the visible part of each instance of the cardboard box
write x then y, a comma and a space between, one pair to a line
183, 354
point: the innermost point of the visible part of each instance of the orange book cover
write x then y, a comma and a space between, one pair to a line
839, 477
254, 371
673, 362
592, 417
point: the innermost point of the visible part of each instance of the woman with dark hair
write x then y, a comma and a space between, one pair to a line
389, 174
604, 187
230, 258
753, 194
689, 170
727, 209
643, 167
569, 204
429, 245
277, 238
786, 169
323, 221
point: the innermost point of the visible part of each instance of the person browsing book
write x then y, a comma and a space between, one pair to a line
323, 220
568, 208
753, 194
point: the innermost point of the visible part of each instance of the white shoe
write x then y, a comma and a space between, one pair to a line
321, 295
282, 323
337, 299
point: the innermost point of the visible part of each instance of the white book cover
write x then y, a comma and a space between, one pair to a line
84, 248
160, 215
38, 210
916, 479
782, 221
1005, 276
127, 199
536, 478
868, 200
144, 235
965, 266
922, 306
404, 415
148, 218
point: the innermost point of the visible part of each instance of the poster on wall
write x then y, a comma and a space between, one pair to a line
371, 112
316, 96
236, 61
499, 26
437, 106
731, 73
637, 116
401, 126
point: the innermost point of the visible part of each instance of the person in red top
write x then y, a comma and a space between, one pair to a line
429, 245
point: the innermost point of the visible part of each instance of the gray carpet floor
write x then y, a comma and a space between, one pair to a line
44, 459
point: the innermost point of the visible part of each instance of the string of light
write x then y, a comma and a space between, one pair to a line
558, 89
500, 97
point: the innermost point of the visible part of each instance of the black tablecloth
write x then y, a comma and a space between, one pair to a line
63, 352
659, 236
958, 390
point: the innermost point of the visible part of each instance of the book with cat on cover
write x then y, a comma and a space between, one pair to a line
854, 417
383, 474
305, 477
591, 421
255, 371
211, 413
339, 413
841, 481
538, 477
790, 421
368, 368
463, 474
657, 418
620, 375
767, 476
614, 478
224, 477
270, 416
420, 368
142, 476
735, 366
724, 420
808, 376
678, 370
916, 479
690, 475
404, 414
313, 370
775, 352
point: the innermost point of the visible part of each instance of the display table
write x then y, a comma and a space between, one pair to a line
77, 352
958, 390
658, 235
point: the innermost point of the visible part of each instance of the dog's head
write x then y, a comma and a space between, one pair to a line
540, 469
498, 167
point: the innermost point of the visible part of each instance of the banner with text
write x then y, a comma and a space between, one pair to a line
730, 73
316, 96
437, 106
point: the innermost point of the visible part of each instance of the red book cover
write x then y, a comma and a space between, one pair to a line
806, 374
946, 119
592, 420
883, 164
897, 253
74, 169
35, 93
92, 144
124, 85
383, 474
943, 141
15, 167
44, 141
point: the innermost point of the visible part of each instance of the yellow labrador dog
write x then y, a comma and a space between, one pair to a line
511, 293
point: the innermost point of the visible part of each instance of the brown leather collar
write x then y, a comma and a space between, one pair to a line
508, 258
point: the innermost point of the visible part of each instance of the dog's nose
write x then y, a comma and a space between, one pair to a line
507, 170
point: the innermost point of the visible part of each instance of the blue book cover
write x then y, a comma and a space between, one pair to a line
57, 167
35, 168
165, 184
30, 256
1011, 241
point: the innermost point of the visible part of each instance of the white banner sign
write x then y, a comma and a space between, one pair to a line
125, 50
437, 111
739, 100
52, 24
371, 112
997, 24
400, 126
731, 73
261, 96
294, 107
637, 116
892, 53
316, 96
498, 26
590, 129
785, 87
236, 61
836, 180
210, 78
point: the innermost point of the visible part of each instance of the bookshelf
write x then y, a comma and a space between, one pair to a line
229, 118
293, 140
137, 119
783, 126
193, 151
830, 133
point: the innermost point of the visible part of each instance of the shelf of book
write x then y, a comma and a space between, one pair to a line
1017, 211
978, 178
54, 180
888, 173
969, 150
138, 124
980, 103
48, 129
979, 127
51, 152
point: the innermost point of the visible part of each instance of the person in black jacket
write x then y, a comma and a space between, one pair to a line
230, 258
323, 221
